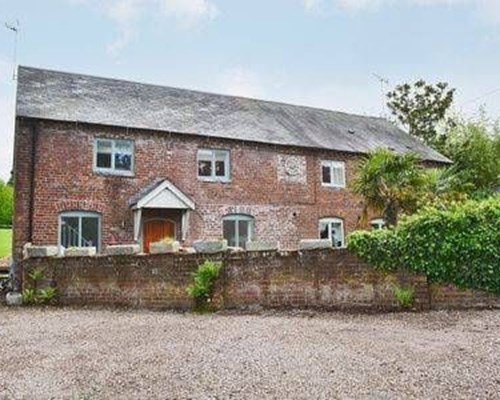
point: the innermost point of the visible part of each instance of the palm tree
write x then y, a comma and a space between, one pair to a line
390, 183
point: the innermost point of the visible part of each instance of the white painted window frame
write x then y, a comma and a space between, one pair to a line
112, 170
329, 222
80, 215
377, 223
331, 164
236, 218
213, 158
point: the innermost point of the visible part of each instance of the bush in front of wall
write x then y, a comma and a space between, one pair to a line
456, 245
38, 295
202, 288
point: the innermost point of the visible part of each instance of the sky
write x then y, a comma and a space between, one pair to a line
324, 53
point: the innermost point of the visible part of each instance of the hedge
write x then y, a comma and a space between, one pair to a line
459, 245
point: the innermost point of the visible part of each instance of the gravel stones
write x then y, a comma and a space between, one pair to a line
102, 354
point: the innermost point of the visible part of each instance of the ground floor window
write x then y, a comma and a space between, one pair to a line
79, 229
238, 229
377, 223
332, 229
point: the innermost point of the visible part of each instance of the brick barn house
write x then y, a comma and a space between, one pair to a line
101, 161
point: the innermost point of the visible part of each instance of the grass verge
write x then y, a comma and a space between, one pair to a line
5, 242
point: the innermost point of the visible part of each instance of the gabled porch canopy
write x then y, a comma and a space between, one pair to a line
162, 194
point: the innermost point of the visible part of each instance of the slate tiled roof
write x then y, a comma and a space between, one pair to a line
73, 97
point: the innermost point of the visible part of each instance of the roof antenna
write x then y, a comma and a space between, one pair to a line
14, 28
383, 83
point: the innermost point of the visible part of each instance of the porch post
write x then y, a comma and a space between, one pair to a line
185, 224
137, 223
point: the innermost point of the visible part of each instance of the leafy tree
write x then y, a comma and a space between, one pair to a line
6, 203
442, 187
390, 183
474, 147
420, 107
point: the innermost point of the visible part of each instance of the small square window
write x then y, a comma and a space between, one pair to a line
333, 173
114, 156
213, 165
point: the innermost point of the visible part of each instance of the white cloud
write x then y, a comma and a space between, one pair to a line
310, 4
489, 9
240, 81
126, 14
190, 13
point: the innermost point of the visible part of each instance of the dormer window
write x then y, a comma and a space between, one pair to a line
114, 156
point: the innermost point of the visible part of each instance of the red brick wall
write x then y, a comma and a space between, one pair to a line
322, 279
65, 181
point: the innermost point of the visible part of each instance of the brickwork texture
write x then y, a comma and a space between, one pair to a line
318, 279
54, 173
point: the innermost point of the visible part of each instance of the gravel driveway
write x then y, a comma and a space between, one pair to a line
101, 354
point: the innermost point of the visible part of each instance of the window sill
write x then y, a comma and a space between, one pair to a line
211, 180
328, 186
123, 174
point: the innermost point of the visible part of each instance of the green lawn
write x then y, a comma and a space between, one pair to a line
5, 242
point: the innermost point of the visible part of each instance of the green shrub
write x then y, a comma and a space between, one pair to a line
35, 294
46, 295
458, 245
203, 283
28, 296
404, 296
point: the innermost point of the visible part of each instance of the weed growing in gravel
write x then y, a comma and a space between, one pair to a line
404, 296
202, 288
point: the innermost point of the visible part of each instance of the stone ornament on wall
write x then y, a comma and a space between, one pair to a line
292, 169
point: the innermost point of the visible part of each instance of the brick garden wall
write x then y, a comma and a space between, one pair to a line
322, 279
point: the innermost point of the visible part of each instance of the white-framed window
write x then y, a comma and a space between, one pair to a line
114, 156
80, 229
377, 223
332, 229
213, 165
238, 229
333, 173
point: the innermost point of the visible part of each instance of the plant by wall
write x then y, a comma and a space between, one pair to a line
34, 294
202, 288
458, 245
404, 296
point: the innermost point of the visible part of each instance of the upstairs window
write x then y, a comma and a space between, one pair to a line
333, 173
114, 155
238, 229
332, 229
79, 229
377, 223
213, 165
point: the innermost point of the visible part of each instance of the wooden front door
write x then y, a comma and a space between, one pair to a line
156, 230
